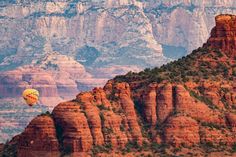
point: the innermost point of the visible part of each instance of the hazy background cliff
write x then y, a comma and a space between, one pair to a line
63, 47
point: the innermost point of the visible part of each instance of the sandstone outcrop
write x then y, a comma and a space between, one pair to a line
93, 116
194, 108
165, 102
231, 118
216, 136
100, 118
122, 92
73, 128
223, 35
150, 105
39, 136
182, 130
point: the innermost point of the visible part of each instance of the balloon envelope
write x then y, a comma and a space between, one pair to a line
31, 96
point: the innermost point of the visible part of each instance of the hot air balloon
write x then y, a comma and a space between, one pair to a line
31, 96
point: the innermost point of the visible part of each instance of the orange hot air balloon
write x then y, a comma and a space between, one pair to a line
31, 96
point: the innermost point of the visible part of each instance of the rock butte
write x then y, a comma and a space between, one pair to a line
223, 35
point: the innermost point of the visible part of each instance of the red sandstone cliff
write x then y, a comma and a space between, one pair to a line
223, 35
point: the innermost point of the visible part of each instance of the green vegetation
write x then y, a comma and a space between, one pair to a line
85, 114
234, 148
122, 127
203, 99
107, 130
9, 150
102, 107
234, 73
138, 107
223, 100
208, 145
224, 90
145, 130
212, 125
201, 64
144, 125
131, 146
59, 134
102, 117
51, 65
106, 148
219, 54
66, 151
47, 113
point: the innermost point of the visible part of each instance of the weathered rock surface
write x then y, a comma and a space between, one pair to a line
93, 116
150, 105
182, 130
231, 118
217, 137
223, 35
72, 127
164, 102
194, 108
122, 92
103, 119
39, 136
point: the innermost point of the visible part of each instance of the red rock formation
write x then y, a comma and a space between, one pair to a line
100, 97
92, 113
231, 118
114, 130
72, 127
39, 137
223, 35
217, 136
189, 105
92, 119
149, 101
164, 102
122, 91
181, 130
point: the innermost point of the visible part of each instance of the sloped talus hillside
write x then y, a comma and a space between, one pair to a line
187, 107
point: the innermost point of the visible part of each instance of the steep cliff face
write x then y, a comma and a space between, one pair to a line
72, 28
184, 24
223, 35
144, 112
40, 135
110, 27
